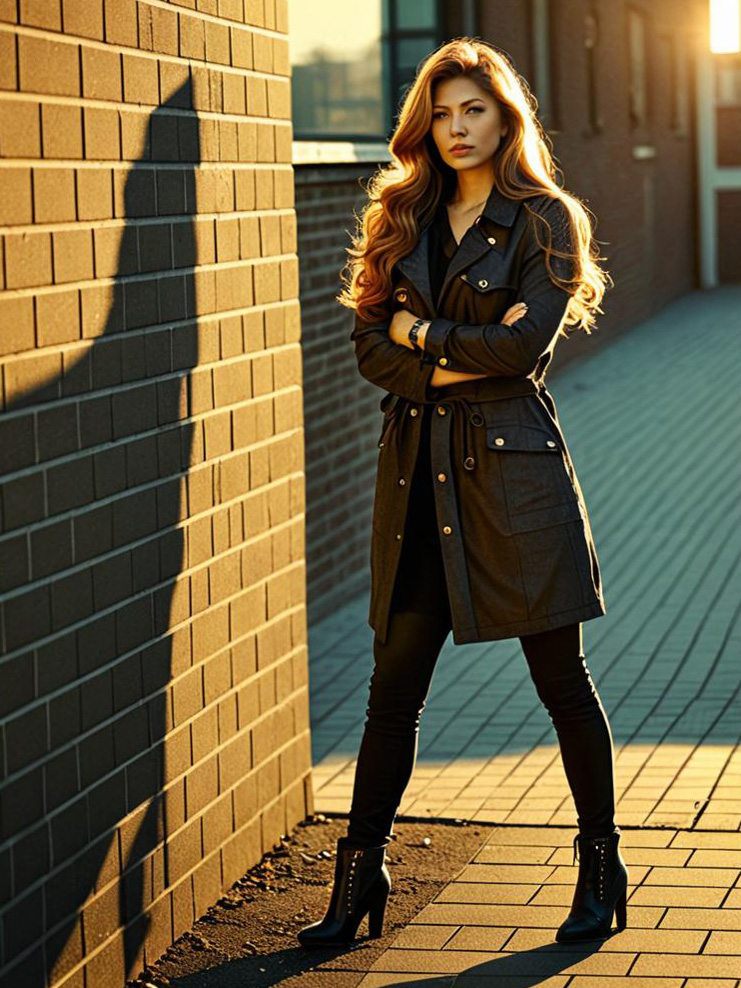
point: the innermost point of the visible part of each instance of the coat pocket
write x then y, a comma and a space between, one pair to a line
537, 488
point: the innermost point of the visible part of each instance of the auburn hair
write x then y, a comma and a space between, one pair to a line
404, 194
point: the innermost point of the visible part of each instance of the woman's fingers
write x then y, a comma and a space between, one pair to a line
514, 312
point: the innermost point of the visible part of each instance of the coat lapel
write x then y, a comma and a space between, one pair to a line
416, 265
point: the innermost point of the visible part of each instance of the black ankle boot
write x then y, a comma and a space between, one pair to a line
601, 889
361, 885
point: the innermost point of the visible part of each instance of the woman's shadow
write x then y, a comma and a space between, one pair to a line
103, 620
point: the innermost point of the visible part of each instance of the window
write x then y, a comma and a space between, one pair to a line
637, 68
353, 62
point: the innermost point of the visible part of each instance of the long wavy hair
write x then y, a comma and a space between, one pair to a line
404, 194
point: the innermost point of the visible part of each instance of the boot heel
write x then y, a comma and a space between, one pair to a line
376, 913
621, 910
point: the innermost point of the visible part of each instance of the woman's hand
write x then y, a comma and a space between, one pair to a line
514, 312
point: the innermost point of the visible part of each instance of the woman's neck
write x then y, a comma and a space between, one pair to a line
474, 188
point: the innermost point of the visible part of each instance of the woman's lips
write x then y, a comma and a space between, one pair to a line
460, 152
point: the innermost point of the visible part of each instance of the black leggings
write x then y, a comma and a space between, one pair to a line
398, 689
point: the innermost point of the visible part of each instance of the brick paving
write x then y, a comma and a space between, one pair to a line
653, 426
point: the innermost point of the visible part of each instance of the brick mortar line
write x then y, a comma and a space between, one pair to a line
88, 342
125, 279
98, 103
123, 223
293, 695
59, 37
135, 164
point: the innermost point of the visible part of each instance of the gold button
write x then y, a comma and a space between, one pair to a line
447, 530
398, 538
499, 441
469, 463
441, 410
443, 361
550, 442
492, 240
483, 282
401, 295
464, 277
414, 411
442, 477
401, 481
381, 443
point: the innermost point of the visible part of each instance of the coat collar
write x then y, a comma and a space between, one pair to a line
415, 265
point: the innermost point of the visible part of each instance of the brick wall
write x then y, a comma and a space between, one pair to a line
153, 662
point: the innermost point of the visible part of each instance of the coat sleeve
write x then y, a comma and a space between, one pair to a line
390, 365
512, 351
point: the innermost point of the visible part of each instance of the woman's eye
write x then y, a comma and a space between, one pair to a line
440, 113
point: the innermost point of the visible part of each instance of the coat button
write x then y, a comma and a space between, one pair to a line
477, 419
401, 295
414, 411
442, 410
381, 443
398, 538
483, 282
492, 240
401, 481
447, 530
469, 463
464, 277
499, 441
443, 361
550, 442
442, 477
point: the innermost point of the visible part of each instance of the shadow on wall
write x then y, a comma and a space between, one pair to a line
91, 635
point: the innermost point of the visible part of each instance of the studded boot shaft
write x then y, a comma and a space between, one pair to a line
361, 886
601, 890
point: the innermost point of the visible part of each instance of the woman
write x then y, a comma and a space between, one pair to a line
479, 523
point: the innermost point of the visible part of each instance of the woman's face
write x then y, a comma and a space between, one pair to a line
462, 113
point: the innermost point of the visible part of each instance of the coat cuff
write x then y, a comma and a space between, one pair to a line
434, 348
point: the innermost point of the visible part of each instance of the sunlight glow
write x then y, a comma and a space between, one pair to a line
725, 26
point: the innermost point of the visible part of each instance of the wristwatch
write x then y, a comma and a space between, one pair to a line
414, 332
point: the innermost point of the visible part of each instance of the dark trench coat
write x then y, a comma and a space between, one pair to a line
514, 531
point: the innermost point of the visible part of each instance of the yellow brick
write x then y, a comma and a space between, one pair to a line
28, 259
54, 195
49, 67
20, 130
61, 127
15, 196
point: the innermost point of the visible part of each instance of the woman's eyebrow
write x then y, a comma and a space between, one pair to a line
464, 102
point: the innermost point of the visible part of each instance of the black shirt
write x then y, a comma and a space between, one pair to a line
421, 582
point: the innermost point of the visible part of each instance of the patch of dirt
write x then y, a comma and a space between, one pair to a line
248, 937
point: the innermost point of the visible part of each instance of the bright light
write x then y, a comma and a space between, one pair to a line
725, 26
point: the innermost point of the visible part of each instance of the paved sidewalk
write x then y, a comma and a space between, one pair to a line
653, 426
494, 925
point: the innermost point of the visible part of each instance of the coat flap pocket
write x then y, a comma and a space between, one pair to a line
388, 402
514, 436
492, 272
